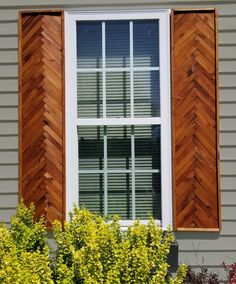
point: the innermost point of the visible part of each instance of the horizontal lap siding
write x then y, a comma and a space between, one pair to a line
211, 249
8, 114
223, 248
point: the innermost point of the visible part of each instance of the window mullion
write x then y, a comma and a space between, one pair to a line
131, 70
104, 68
104, 115
132, 116
133, 171
105, 173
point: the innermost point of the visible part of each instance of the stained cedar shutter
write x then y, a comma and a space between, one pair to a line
195, 120
41, 115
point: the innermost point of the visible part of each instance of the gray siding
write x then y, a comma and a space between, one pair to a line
197, 249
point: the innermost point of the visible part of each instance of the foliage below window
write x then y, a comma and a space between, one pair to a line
89, 250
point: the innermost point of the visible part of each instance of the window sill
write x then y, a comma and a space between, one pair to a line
130, 223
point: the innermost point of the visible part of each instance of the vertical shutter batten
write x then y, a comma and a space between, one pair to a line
41, 113
195, 120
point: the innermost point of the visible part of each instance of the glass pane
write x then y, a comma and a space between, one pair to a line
90, 147
119, 195
118, 94
147, 147
91, 193
118, 147
148, 195
146, 43
117, 44
146, 94
89, 44
89, 96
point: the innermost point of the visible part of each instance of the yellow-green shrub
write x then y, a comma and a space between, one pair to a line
24, 255
93, 251
90, 250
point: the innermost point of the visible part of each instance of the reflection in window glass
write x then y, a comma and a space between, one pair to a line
119, 195
118, 94
89, 97
146, 94
148, 195
146, 43
91, 154
147, 147
89, 44
91, 193
117, 44
118, 147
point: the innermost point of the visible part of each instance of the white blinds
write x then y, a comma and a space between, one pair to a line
118, 77
89, 86
106, 152
146, 94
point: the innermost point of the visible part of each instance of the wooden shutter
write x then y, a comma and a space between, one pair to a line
41, 113
195, 120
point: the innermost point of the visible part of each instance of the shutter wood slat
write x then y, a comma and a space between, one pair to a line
41, 113
195, 134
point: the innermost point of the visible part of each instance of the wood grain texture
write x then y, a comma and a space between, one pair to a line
41, 113
195, 120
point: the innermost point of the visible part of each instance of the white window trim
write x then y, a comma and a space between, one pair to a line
71, 103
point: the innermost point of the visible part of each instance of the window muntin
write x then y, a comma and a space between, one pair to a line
128, 71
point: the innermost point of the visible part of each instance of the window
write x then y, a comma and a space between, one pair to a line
118, 147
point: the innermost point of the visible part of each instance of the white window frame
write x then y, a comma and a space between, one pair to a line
71, 17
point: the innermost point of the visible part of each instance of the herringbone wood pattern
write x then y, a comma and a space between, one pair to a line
194, 120
41, 114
